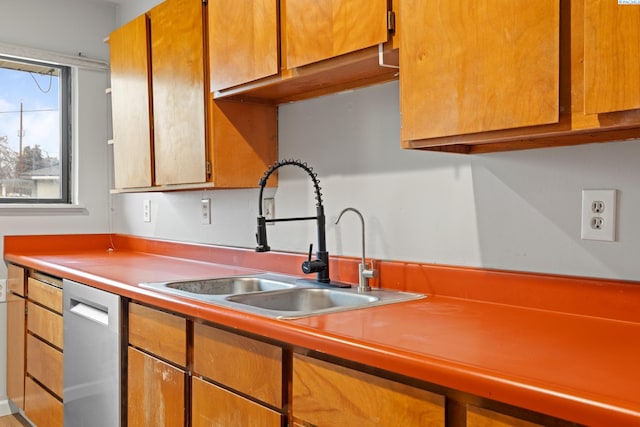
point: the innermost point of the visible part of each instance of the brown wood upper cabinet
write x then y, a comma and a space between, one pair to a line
509, 75
293, 49
130, 97
169, 133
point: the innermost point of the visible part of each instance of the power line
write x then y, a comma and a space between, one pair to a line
30, 111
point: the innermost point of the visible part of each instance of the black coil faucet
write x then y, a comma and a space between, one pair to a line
320, 265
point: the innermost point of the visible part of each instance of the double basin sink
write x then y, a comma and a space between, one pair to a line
278, 296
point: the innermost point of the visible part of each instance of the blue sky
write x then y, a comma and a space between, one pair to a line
39, 127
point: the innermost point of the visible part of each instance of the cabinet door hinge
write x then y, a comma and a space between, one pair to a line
391, 21
208, 168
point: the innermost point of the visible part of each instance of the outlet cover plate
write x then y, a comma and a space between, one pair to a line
599, 214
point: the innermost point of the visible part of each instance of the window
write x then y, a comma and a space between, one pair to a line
34, 132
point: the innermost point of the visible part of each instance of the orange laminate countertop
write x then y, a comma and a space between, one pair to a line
572, 366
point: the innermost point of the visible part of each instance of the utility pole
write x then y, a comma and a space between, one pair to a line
20, 132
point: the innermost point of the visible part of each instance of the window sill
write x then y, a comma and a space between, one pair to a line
37, 209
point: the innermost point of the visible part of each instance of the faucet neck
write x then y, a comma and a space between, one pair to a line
321, 266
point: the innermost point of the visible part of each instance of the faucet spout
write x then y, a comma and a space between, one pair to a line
320, 266
365, 273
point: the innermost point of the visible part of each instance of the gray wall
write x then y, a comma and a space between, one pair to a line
515, 211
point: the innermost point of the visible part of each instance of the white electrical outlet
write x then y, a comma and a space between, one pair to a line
146, 210
269, 209
599, 215
205, 211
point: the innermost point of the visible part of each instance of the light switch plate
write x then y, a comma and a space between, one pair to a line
146, 210
205, 211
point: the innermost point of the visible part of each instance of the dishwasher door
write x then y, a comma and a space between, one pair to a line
92, 356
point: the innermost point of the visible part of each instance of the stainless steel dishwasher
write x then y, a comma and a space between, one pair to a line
92, 356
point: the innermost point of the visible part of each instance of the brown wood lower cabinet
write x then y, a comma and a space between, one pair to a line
247, 365
157, 377
249, 380
45, 363
480, 417
214, 406
327, 394
44, 351
156, 392
16, 327
41, 407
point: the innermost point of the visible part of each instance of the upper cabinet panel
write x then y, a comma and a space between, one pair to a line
317, 30
130, 100
611, 56
504, 75
169, 133
477, 67
179, 95
243, 41
287, 50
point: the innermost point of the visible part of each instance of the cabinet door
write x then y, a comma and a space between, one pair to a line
16, 345
479, 417
45, 294
157, 332
249, 366
469, 67
243, 41
179, 93
45, 364
317, 30
41, 407
229, 410
611, 56
156, 392
15, 280
130, 100
45, 324
326, 394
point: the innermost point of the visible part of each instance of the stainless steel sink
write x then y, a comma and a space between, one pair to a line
303, 299
228, 285
205, 288
278, 296
310, 301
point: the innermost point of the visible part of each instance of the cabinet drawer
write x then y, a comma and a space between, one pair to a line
160, 333
44, 323
244, 364
229, 409
326, 394
480, 417
41, 407
43, 293
156, 392
15, 279
45, 364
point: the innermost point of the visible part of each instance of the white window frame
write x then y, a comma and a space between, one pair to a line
75, 63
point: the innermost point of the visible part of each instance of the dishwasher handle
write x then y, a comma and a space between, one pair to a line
90, 312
